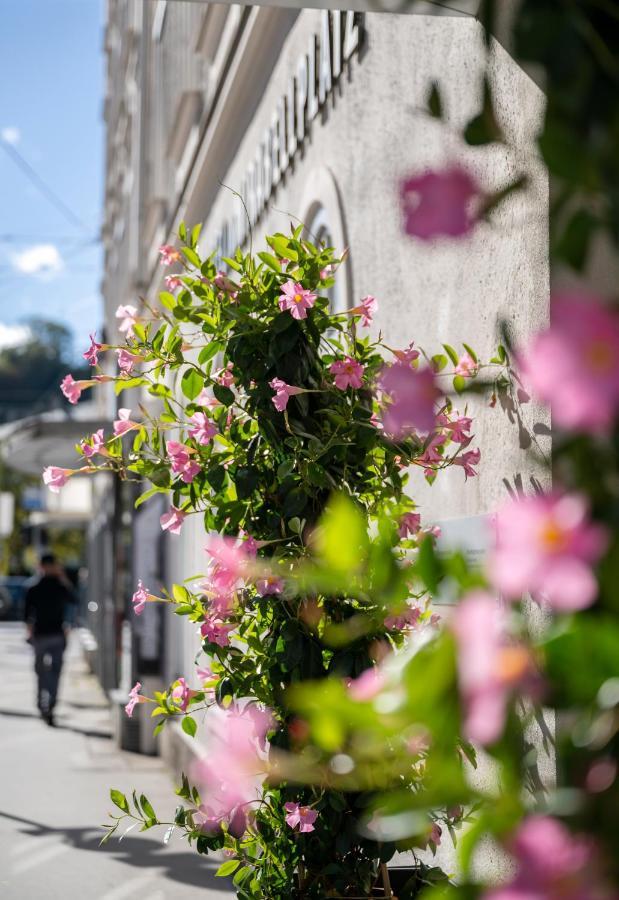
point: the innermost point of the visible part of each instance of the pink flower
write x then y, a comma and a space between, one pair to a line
181, 693
204, 430
227, 569
366, 309
206, 399
467, 367
223, 283
489, 669
546, 545
216, 632
55, 477
406, 619
348, 373
458, 429
413, 393
573, 364
296, 299
123, 423
205, 674
301, 817
127, 360
433, 838
325, 273
283, 393
182, 463
410, 523
233, 770
271, 584
134, 698
91, 355
169, 255
367, 685
140, 598
172, 521
467, 461
553, 864
128, 316
226, 376
173, 283
408, 355
94, 444
439, 203
431, 455
73, 389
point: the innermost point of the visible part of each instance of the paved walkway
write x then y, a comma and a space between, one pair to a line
54, 794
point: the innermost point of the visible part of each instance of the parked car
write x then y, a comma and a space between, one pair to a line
12, 595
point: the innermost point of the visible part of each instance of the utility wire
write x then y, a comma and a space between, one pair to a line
44, 188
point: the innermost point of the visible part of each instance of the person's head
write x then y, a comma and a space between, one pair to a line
48, 564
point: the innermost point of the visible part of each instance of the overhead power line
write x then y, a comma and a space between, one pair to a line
42, 186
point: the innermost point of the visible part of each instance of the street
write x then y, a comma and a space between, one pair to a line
55, 795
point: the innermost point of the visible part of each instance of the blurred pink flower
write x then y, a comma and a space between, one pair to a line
128, 316
489, 668
92, 354
467, 367
301, 817
348, 373
140, 598
181, 693
296, 299
546, 545
283, 393
268, 585
467, 461
408, 355
413, 394
73, 389
408, 618
172, 521
223, 283
227, 569
204, 430
553, 864
458, 429
127, 360
173, 283
573, 365
439, 203
94, 444
409, 523
431, 455
432, 839
366, 310
206, 399
226, 376
216, 632
123, 423
134, 698
232, 772
367, 685
169, 255
55, 477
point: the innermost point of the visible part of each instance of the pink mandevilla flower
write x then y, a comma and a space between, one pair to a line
296, 299
169, 255
467, 461
134, 698
457, 429
128, 316
408, 618
181, 694
408, 355
573, 364
438, 204
55, 477
546, 545
489, 668
271, 584
140, 598
204, 430
301, 817
73, 389
94, 444
173, 283
233, 770
226, 376
172, 521
413, 394
215, 631
467, 367
123, 423
181, 461
283, 393
127, 360
366, 310
409, 524
227, 569
348, 373
553, 864
367, 685
92, 354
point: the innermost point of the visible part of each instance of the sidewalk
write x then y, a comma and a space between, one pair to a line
54, 794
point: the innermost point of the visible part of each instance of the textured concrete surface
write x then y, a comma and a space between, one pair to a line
54, 796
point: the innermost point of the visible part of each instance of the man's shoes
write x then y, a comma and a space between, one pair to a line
49, 718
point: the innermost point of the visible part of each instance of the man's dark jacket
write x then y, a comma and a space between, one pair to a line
46, 605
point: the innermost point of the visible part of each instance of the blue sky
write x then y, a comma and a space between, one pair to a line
51, 97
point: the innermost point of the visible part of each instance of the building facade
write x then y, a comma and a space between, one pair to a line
309, 116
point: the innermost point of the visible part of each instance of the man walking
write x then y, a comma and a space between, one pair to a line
47, 616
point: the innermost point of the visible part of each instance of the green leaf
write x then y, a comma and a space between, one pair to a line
434, 103
470, 352
282, 248
341, 539
146, 496
439, 361
428, 565
191, 383
451, 353
208, 352
167, 299
227, 868
192, 256
147, 809
271, 261
182, 231
459, 383
189, 726
119, 800
223, 394
216, 477
195, 234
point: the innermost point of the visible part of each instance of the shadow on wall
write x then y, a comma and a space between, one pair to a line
143, 853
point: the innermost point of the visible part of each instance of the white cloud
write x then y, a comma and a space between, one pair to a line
41, 260
11, 135
13, 335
